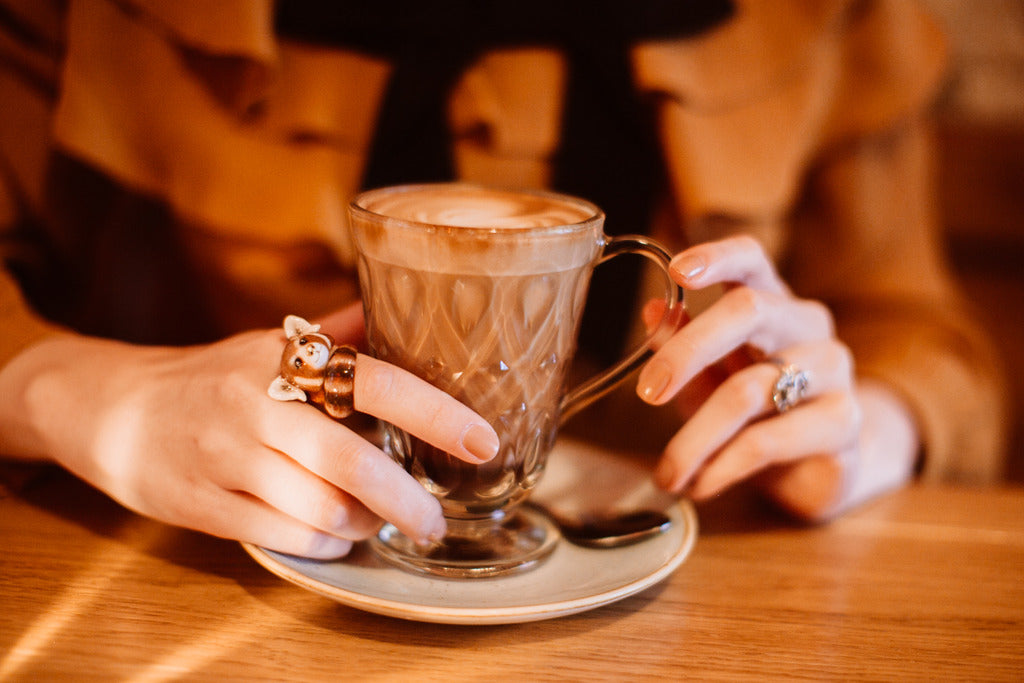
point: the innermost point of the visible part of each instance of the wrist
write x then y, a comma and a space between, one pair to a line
25, 401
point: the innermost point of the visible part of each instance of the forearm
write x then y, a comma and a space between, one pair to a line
57, 395
22, 332
21, 433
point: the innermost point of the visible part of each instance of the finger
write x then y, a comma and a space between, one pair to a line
826, 424
280, 482
742, 398
653, 315
696, 392
345, 325
764, 320
404, 400
739, 259
244, 518
346, 460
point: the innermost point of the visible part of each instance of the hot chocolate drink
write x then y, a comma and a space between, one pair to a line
472, 206
485, 304
480, 291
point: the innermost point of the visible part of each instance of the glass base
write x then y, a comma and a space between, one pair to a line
517, 542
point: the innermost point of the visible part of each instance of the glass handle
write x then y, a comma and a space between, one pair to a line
597, 386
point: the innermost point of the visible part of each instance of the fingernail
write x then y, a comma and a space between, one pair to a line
327, 547
481, 442
689, 266
653, 380
435, 534
340, 518
665, 475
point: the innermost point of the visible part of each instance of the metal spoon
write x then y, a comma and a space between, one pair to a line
608, 530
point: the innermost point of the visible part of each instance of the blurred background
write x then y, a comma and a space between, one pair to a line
981, 175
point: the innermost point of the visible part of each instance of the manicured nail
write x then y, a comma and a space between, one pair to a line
481, 442
689, 266
327, 547
435, 534
653, 380
340, 518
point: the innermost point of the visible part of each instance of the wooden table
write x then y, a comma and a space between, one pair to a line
927, 583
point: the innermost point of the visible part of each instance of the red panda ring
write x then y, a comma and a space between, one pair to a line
340, 381
314, 370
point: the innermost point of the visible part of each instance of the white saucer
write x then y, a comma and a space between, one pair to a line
573, 579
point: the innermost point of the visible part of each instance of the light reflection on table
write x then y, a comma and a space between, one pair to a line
925, 583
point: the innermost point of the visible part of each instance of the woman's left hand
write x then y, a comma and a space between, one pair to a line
722, 367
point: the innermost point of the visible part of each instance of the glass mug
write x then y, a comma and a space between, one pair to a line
480, 291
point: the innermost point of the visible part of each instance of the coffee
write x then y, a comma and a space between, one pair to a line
480, 291
467, 229
472, 206
501, 345
491, 318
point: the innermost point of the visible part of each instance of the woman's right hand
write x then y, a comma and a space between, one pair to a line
190, 437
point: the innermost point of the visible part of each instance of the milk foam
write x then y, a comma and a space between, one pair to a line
470, 229
470, 206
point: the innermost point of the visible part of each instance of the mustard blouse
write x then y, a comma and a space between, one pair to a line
801, 122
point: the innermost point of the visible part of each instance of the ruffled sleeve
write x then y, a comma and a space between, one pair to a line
804, 124
255, 143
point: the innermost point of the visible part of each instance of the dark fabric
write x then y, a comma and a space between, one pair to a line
106, 261
395, 28
609, 153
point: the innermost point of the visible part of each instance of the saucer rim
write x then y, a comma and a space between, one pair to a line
682, 514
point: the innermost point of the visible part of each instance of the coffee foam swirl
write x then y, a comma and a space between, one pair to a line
470, 229
468, 206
